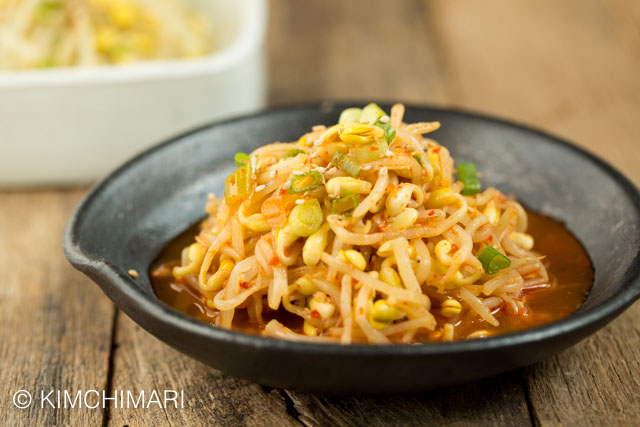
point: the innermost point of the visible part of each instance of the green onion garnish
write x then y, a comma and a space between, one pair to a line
369, 152
418, 159
492, 260
345, 164
468, 175
293, 153
371, 113
237, 185
344, 205
350, 115
305, 182
241, 159
389, 131
306, 219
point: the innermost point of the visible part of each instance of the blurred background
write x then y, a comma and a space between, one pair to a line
85, 84
570, 67
142, 70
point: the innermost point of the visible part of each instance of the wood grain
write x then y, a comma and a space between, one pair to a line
141, 362
597, 381
496, 401
56, 325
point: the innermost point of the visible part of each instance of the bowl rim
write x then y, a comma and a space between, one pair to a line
164, 315
247, 41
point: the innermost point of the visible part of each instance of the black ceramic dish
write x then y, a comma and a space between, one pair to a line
130, 216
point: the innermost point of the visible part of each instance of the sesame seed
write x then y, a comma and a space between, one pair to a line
133, 273
318, 142
272, 174
389, 153
319, 169
318, 127
384, 171
367, 167
384, 119
260, 187
364, 122
297, 173
314, 155
299, 201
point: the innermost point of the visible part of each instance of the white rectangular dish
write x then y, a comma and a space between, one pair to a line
73, 125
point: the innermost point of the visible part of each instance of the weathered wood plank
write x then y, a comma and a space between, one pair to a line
56, 325
596, 382
141, 362
496, 401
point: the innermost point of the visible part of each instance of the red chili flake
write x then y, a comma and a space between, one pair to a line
361, 310
390, 187
431, 213
315, 314
245, 285
454, 248
490, 238
274, 262
437, 150
374, 148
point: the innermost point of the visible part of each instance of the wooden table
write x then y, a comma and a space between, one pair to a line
571, 67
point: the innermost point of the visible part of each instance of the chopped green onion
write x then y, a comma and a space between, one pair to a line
371, 113
344, 205
241, 159
350, 115
293, 153
306, 219
238, 185
468, 175
492, 260
369, 152
345, 164
418, 159
389, 131
305, 182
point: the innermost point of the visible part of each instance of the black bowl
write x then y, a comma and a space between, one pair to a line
130, 216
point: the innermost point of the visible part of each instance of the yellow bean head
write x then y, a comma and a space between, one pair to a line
344, 185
